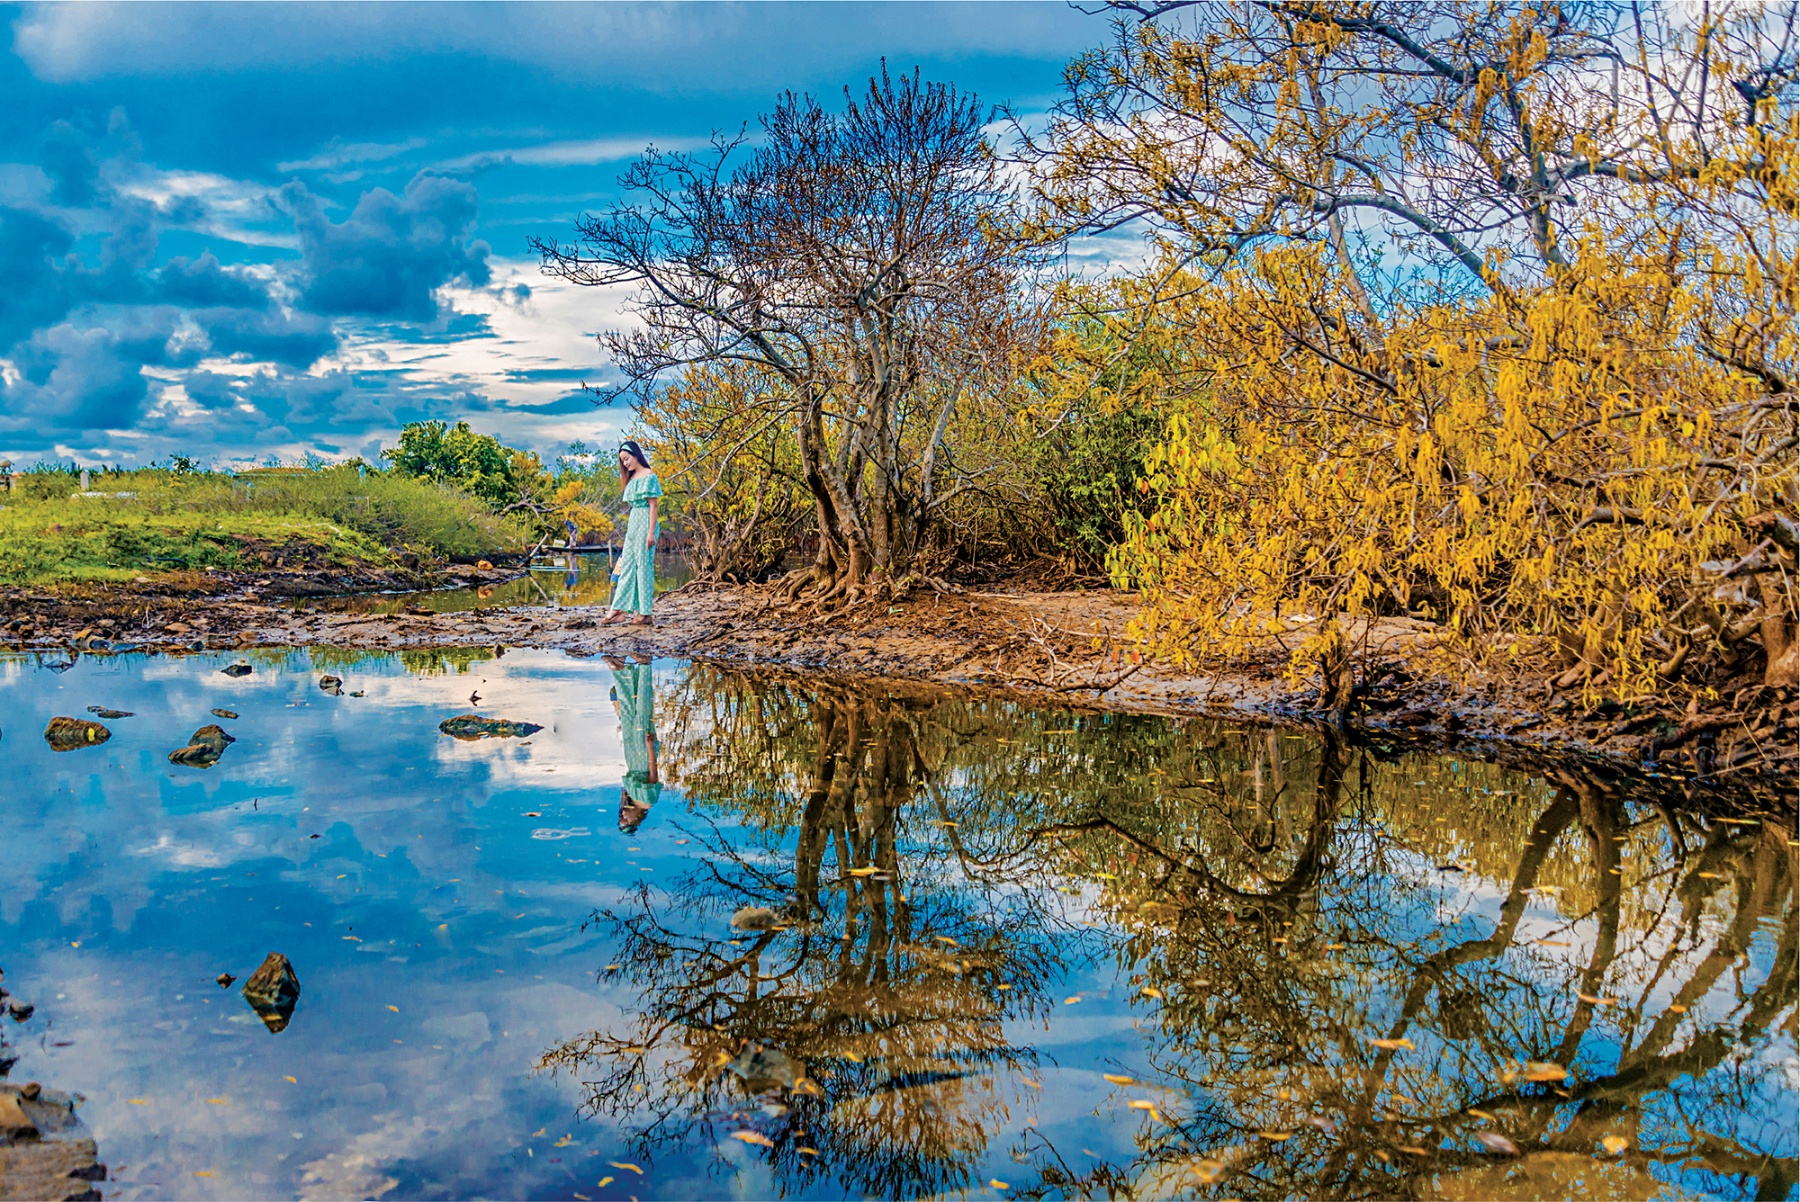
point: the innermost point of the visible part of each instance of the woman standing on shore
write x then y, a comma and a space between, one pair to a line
635, 588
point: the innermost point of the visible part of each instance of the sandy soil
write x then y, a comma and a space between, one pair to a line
1064, 648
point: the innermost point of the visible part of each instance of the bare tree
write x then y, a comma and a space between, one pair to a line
851, 259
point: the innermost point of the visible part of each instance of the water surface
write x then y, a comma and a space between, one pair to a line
584, 579
1010, 952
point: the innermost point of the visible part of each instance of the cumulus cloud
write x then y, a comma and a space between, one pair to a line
393, 253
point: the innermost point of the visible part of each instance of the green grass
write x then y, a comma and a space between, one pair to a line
316, 519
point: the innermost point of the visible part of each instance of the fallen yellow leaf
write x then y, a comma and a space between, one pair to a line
996, 1183
947, 939
1276, 1137
290, 1081
1155, 993
806, 1151
1070, 1001
1481, 1114
619, 1164
1677, 1008
1150, 1107
871, 871
1393, 1045
215, 1101
395, 1009
605, 1181
754, 1137
1543, 1070
1207, 1170
203, 1173
1119, 1078
1615, 1145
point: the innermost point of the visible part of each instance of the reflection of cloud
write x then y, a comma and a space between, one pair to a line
355, 1172
181, 852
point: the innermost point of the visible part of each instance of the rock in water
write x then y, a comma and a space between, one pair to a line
762, 1069
100, 711
204, 747
67, 734
238, 669
224, 713
469, 727
755, 918
332, 684
272, 991
225, 980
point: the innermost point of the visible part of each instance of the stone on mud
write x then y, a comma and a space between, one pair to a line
469, 727
67, 734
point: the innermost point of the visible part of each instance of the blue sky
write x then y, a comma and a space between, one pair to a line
235, 231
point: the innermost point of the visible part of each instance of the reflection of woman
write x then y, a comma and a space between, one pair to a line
634, 699
636, 586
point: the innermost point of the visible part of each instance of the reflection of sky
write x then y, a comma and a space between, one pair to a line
436, 925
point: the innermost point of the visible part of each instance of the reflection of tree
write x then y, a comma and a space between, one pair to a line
887, 988
1359, 967
1339, 1034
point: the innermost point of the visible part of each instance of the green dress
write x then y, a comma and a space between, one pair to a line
635, 698
635, 588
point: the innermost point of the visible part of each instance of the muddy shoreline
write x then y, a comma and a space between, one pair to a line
1060, 648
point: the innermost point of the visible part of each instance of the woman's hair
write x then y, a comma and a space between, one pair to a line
631, 448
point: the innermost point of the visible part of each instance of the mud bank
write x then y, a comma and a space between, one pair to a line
1063, 646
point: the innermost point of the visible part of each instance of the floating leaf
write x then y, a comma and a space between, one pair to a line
1496, 1143
146, 1101
619, 1164
1677, 1008
1119, 1078
1543, 1070
290, 1081
215, 1101
1615, 1145
395, 1009
870, 871
1149, 1107
1481, 1114
1276, 1137
1207, 1170
605, 1181
1414, 1150
1070, 1001
1155, 993
1393, 1045
807, 1085
996, 1183
564, 1142
1595, 1000
806, 1151
754, 1137
947, 939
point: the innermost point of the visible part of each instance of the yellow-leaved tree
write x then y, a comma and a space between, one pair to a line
1485, 316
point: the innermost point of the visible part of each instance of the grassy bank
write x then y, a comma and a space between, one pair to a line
153, 520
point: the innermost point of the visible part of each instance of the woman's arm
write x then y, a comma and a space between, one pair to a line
651, 542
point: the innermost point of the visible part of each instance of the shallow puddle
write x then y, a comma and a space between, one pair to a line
565, 580
980, 950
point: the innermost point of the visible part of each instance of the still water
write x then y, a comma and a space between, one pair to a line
979, 949
563, 580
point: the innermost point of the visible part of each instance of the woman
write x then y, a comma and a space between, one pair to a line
636, 585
